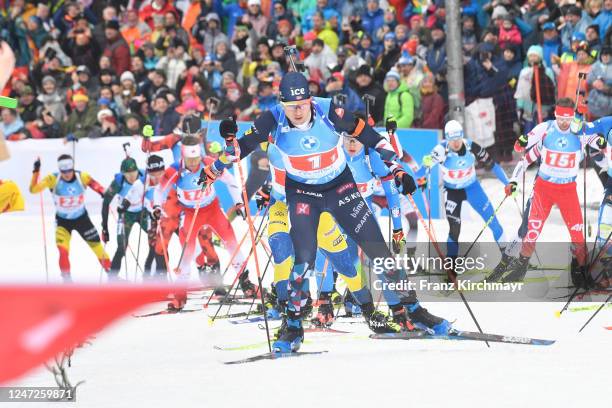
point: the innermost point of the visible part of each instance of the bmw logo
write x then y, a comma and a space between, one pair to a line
460, 163
562, 142
309, 143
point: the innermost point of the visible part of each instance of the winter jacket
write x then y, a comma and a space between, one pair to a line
80, 124
54, 103
173, 67
400, 105
568, 30
436, 58
551, 47
371, 22
603, 20
376, 90
509, 37
433, 109
321, 61
480, 83
165, 123
600, 102
119, 53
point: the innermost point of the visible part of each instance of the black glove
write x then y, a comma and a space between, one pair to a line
228, 128
36, 165
404, 180
105, 236
125, 204
391, 124
239, 209
157, 212
262, 196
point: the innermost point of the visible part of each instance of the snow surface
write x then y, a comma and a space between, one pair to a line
170, 360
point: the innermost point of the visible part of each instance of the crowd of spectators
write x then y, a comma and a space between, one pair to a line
104, 68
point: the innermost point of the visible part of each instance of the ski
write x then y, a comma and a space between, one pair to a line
275, 356
166, 312
324, 330
464, 335
579, 296
587, 308
240, 314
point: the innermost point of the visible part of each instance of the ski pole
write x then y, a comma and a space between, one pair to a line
485, 226
240, 271
147, 132
451, 277
603, 249
536, 74
44, 231
127, 244
251, 233
596, 312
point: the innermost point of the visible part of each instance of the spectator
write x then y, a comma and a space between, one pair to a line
48, 126
509, 33
12, 127
116, 48
574, 23
599, 81
567, 80
209, 34
506, 120
82, 119
324, 32
367, 85
398, 102
106, 125
412, 76
551, 43
436, 54
388, 58
134, 30
29, 107
279, 13
525, 89
226, 58
255, 18
593, 40
84, 50
83, 82
174, 62
109, 13
330, 14
433, 106
604, 19
373, 19
578, 40
166, 118
336, 85
320, 58
157, 8
133, 124
52, 100
174, 30
536, 15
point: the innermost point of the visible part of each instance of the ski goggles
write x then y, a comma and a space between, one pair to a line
65, 165
297, 105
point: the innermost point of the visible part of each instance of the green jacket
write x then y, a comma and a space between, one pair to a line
400, 104
81, 123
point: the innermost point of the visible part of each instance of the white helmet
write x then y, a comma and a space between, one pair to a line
453, 130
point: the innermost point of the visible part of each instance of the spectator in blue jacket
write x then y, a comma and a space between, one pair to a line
373, 18
436, 54
551, 42
604, 19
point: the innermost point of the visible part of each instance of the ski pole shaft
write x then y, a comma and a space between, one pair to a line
451, 277
252, 234
491, 218
44, 232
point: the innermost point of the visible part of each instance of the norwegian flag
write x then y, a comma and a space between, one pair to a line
39, 322
302, 209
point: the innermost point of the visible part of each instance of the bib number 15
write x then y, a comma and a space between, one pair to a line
561, 160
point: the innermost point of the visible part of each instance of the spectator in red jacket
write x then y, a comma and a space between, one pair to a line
509, 33
116, 48
433, 106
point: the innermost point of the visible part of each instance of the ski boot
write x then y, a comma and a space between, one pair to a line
378, 321
211, 275
336, 298
351, 307
500, 269
248, 288
307, 309
178, 303
325, 315
272, 305
401, 319
517, 270
580, 276
422, 319
291, 338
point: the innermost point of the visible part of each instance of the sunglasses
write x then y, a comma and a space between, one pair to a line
297, 106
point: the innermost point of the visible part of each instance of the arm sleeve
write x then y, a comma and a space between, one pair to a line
109, 194
258, 133
167, 142
232, 186
485, 158
393, 201
89, 181
166, 183
48, 182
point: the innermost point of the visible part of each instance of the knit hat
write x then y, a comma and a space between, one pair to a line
392, 75
127, 76
537, 50
79, 97
499, 12
128, 165
104, 113
49, 78
548, 26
